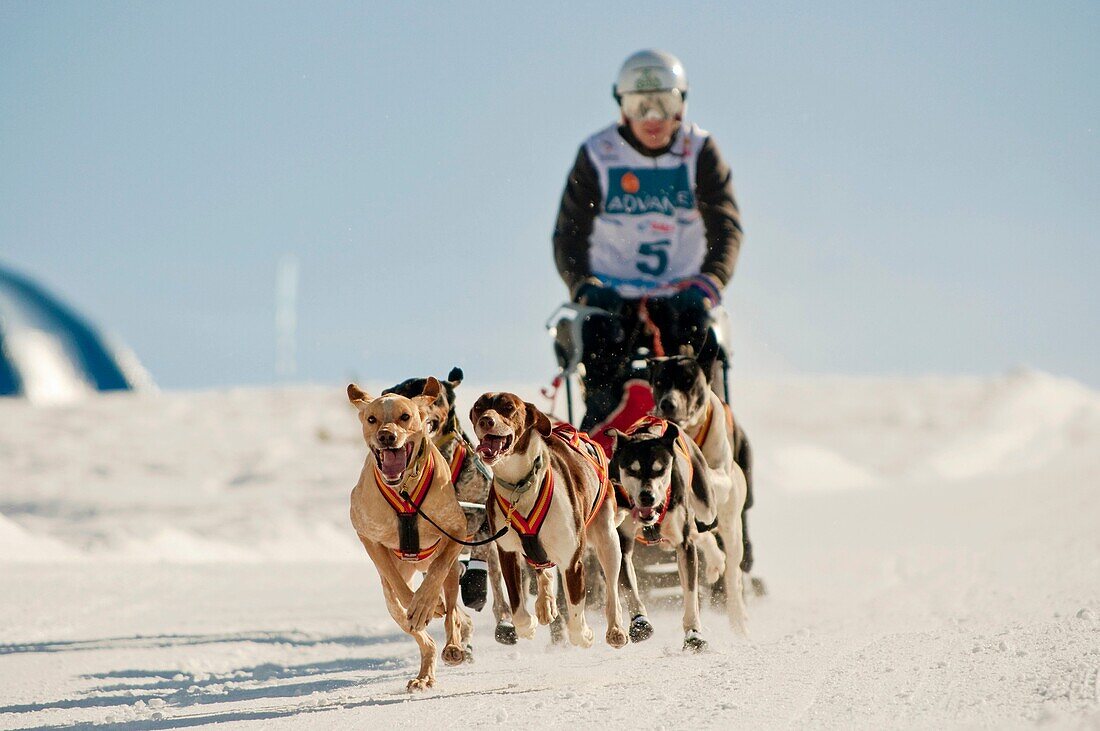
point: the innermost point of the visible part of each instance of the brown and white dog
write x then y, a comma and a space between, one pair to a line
682, 395
405, 471
471, 479
550, 486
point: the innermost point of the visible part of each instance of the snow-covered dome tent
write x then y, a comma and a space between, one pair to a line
50, 353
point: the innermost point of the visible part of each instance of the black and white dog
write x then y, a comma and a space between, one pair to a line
682, 394
667, 488
472, 480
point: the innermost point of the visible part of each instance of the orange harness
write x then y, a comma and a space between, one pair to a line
458, 461
645, 424
528, 526
701, 437
408, 533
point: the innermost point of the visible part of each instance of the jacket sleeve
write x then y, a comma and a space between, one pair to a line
580, 203
721, 218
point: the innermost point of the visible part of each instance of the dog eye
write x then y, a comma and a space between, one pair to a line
371, 420
506, 409
405, 417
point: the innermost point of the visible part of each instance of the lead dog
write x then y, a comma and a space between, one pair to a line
550, 486
681, 394
472, 480
405, 472
672, 504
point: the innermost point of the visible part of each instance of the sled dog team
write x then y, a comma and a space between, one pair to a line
675, 479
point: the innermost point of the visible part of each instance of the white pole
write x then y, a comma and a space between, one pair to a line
286, 316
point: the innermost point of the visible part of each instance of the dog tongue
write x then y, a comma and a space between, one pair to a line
393, 462
490, 446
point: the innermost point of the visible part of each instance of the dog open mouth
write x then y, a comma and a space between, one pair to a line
493, 445
645, 516
392, 463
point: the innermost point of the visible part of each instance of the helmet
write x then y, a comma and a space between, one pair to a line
651, 70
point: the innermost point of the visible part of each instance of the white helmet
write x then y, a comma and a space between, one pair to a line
651, 70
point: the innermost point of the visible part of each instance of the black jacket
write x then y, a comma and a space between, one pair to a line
580, 204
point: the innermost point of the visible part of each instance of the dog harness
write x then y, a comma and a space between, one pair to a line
408, 532
650, 535
528, 527
458, 461
701, 437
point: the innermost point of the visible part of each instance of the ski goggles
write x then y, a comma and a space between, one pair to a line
638, 105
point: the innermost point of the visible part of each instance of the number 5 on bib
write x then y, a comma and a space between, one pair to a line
653, 257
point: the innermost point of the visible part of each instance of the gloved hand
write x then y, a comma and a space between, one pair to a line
702, 291
593, 293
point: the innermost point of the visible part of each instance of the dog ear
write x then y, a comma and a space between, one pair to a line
653, 366
672, 432
432, 388
426, 400
538, 420
455, 376
358, 397
615, 434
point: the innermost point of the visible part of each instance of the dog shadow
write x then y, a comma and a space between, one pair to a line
171, 692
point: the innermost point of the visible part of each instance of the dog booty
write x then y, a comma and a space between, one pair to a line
640, 629
506, 633
474, 584
694, 642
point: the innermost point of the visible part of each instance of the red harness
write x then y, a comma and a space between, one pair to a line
407, 530
646, 423
701, 437
528, 526
458, 461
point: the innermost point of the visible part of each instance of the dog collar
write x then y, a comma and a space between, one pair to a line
704, 432
518, 488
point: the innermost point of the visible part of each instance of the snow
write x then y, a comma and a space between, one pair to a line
930, 545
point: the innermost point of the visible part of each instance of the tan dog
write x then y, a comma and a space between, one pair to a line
404, 470
550, 486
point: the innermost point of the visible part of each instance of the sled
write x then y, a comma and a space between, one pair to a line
657, 573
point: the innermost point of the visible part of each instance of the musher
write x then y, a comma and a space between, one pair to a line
648, 230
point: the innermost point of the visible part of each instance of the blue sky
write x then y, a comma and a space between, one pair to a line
919, 181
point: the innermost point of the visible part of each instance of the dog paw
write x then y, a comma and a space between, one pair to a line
545, 610
583, 638
421, 610
454, 655
739, 625
505, 633
693, 642
640, 629
420, 683
525, 627
616, 637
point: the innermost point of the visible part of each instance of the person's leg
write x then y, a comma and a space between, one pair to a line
606, 362
683, 321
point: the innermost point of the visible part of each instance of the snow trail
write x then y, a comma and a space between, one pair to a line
930, 547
